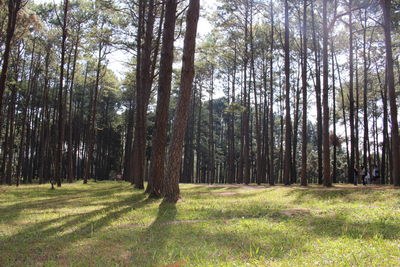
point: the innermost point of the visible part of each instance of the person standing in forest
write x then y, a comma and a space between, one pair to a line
355, 173
375, 174
363, 173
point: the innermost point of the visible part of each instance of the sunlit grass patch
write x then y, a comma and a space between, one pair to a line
111, 224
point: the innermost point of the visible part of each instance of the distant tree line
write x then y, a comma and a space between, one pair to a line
277, 92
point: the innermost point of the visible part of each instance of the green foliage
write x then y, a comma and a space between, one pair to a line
235, 108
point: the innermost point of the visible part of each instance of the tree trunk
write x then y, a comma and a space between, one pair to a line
61, 125
386, 7
92, 121
271, 109
304, 89
211, 160
325, 63
13, 9
316, 49
142, 99
157, 160
180, 120
288, 124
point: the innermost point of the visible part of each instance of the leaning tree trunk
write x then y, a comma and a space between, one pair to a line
180, 121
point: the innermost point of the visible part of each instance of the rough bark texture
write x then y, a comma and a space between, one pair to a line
13, 9
180, 120
164, 90
143, 95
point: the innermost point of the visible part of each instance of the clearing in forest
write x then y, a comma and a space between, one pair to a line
110, 224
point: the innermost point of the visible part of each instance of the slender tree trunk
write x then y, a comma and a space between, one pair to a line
10, 148
45, 134
259, 177
143, 95
211, 160
231, 156
325, 63
334, 171
304, 89
198, 138
13, 8
70, 172
271, 109
316, 48
246, 100
365, 88
351, 98
92, 121
386, 7
288, 123
61, 125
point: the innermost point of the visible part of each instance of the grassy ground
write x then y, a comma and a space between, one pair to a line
110, 224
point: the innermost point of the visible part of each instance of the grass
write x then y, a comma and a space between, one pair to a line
110, 224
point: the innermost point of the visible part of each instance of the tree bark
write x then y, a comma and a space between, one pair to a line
180, 120
61, 125
13, 8
325, 65
157, 160
304, 89
142, 99
288, 124
386, 7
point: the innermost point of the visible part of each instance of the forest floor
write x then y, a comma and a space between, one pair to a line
110, 224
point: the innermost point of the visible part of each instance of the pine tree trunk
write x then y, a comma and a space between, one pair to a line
304, 90
180, 120
143, 95
13, 9
159, 141
386, 7
325, 65
271, 109
316, 49
288, 124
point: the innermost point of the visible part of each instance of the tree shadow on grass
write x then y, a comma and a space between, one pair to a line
338, 225
32, 200
153, 241
168, 242
365, 195
45, 240
203, 242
